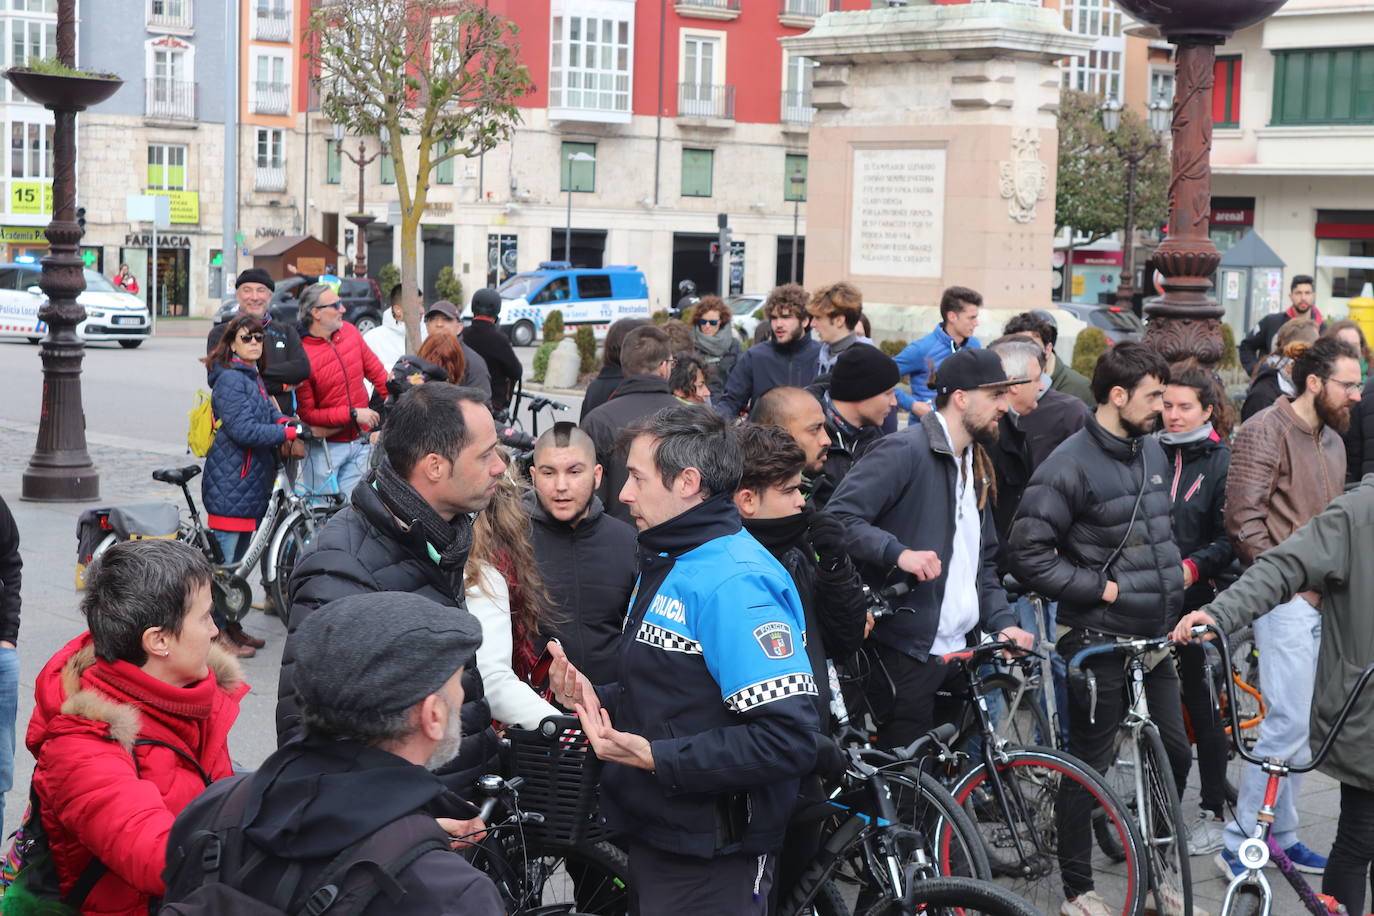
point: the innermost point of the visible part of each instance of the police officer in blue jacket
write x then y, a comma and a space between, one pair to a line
713, 719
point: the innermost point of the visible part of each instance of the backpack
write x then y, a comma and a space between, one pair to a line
201, 432
28, 878
213, 871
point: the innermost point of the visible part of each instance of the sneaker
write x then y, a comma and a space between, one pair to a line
1228, 863
1305, 860
1172, 903
1205, 834
1088, 904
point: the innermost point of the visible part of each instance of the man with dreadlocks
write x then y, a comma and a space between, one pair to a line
920, 500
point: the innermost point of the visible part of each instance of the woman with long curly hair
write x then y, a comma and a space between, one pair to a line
507, 596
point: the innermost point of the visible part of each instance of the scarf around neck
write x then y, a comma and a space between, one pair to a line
712, 347
1202, 432
449, 540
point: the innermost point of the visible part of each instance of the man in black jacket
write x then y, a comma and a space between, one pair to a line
586, 558
1302, 298
790, 358
860, 397
1094, 532
492, 344
920, 501
285, 364
380, 713
407, 529
646, 358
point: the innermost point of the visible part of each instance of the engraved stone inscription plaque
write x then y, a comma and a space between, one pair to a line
899, 213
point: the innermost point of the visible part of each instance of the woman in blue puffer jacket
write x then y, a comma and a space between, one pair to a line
242, 462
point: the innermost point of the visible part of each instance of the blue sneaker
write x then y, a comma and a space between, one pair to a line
1305, 860
1228, 863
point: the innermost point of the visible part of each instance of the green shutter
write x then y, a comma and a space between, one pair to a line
577, 176
443, 172
333, 164
791, 164
697, 166
1329, 86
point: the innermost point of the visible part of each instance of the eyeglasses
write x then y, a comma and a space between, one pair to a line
707, 322
1348, 386
332, 305
252, 337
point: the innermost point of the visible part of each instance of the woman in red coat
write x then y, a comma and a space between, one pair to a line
131, 721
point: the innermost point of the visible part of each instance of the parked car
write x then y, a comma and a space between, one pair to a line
361, 297
111, 315
744, 307
585, 296
1118, 322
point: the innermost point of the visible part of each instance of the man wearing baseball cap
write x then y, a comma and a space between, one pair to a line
380, 713
918, 506
442, 318
285, 364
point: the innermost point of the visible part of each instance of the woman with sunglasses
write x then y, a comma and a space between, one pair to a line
242, 462
714, 338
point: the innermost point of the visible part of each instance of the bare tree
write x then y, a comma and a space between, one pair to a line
433, 79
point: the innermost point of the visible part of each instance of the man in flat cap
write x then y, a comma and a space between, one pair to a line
918, 506
380, 714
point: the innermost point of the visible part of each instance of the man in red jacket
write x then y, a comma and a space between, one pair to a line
333, 399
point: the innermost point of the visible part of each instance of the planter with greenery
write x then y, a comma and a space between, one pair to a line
55, 85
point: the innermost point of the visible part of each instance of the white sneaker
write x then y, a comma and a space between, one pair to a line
1205, 835
1088, 904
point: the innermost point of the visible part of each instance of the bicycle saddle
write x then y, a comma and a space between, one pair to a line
177, 476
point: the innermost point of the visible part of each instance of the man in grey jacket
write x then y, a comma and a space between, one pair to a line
919, 501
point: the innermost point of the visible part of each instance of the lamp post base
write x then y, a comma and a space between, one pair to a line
60, 469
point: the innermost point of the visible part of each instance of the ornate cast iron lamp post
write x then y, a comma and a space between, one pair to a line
359, 219
1132, 152
1185, 321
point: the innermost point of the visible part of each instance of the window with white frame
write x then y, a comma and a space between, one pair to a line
30, 150
170, 13
590, 63
269, 154
166, 167
28, 40
796, 93
34, 6
270, 90
1162, 87
1100, 71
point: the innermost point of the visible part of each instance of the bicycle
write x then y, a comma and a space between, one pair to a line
1012, 795
510, 429
875, 844
1249, 893
1042, 686
1156, 799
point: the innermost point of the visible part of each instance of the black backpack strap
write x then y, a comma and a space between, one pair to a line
372, 866
207, 848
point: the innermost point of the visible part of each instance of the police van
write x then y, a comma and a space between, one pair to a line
586, 296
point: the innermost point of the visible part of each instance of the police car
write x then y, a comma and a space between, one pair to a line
110, 313
586, 296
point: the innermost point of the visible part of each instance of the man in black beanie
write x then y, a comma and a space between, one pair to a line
862, 393
285, 364
380, 714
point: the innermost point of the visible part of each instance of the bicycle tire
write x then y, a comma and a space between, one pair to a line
963, 897
1166, 846
300, 529
1032, 777
1247, 902
1122, 782
827, 902
964, 854
593, 877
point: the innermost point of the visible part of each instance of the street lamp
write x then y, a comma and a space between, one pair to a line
798, 180
578, 156
359, 219
1132, 149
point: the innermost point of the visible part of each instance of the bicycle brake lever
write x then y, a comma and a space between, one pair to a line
1209, 671
1092, 698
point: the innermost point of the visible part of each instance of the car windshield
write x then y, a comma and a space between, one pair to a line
521, 286
96, 282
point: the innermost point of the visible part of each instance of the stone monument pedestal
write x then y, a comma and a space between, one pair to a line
932, 156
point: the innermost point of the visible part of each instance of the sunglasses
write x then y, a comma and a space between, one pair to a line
252, 337
707, 322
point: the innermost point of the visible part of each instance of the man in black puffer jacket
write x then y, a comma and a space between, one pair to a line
408, 529
1093, 532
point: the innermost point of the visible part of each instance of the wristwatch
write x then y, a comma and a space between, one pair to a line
353, 415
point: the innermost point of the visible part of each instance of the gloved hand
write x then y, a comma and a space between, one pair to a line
303, 430
828, 536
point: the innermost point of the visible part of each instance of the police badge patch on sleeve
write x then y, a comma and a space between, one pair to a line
775, 639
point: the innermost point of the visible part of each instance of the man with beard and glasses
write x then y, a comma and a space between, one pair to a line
1287, 463
920, 501
790, 358
586, 557
381, 714
1094, 532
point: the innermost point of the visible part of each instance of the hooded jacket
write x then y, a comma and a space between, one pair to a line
283, 357
312, 799
364, 549
848, 443
1099, 510
335, 386
590, 573
1197, 486
639, 396
766, 366
600, 389
240, 464
712, 670
89, 723
901, 496
489, 342
1070, 381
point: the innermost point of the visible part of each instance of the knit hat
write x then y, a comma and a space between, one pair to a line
861, 372
380, 652
255, 275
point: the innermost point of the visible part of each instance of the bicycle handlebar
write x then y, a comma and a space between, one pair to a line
514, 438
940, 736
880, 600
1327, 743
1129, 647
542, 403
980, 653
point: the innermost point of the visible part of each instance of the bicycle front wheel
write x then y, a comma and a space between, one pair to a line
963, 897
296, 534
925, 805
1161, 823
1020, 811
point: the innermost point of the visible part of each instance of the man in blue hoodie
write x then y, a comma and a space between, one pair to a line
959, 308
712, 721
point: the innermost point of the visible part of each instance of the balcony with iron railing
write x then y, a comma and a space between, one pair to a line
708, 9
796, 108
272, 25
169, 14
706, 102
802, 14
269, 178
169, 100
270, 98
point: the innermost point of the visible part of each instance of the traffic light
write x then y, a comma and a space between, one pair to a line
715, 251
81, 218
